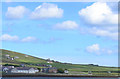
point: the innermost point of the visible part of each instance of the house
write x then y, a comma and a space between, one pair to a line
24, 70
52, 70
12, 58
66, 71
26, 55
49, 61
7, 55
16, 57
109, 72
89, 72
7, 68
49, 70
1, 66
23, 65
49, 65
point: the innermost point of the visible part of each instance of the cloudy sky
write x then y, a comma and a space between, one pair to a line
79, 32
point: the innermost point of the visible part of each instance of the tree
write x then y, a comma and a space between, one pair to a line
39, 69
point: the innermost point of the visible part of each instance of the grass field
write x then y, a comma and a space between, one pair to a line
31, 61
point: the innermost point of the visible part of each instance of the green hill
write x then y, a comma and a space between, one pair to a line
31, 61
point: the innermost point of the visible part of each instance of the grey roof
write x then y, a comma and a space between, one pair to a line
50, 68
25, 68
9, 67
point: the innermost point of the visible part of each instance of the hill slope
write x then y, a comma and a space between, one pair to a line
31, 61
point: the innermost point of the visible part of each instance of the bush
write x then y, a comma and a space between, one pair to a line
12, 65
60, 70
39, 69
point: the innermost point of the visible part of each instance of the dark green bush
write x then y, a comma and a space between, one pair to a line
60, 70
12, 65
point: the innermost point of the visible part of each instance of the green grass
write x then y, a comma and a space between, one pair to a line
73, 68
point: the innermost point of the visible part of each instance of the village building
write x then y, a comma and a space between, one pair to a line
109, 72
49, 70
26, 55
66, 71
7, 68
12, 58
89, 72
22, 65
24, 70
7, 55
16, 57
0, 65
49, 61
49, 65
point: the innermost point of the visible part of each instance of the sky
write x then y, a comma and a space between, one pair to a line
73, 32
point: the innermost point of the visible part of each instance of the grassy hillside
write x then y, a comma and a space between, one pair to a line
31, 61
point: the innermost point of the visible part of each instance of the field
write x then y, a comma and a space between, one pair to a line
31, 61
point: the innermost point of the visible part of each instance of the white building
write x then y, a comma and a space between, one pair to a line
49, 62
24, 70
16, 57
12, 58
66, 71
7, 55
7, 68
26, 55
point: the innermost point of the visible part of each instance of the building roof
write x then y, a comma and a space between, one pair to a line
50, 68
25, 68
8, 67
